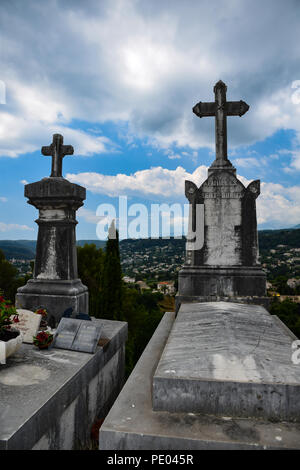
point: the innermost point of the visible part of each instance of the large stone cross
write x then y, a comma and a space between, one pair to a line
57, 151
221, 108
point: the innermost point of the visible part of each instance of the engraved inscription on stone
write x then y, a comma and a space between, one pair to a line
222, 195
87, 337
66, 332
77, 335
29, 323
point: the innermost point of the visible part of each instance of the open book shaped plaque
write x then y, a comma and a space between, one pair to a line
77, 335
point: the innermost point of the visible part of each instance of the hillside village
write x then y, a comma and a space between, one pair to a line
153, 264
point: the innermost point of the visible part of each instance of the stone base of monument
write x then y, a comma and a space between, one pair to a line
50, 399
226, 283
220, 376
54, 295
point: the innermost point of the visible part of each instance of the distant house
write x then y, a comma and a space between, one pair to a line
142, 285
167, 287
129, 280
293, 283
268, 285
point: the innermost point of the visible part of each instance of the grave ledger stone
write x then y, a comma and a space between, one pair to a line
222, 257
55, 284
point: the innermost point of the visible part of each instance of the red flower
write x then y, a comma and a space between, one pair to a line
41, 311
16, 319
1, 299
43, 338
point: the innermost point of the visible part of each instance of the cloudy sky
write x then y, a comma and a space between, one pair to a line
119, 79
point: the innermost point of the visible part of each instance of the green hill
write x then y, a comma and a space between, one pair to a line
20, 249
25, 249
268, 239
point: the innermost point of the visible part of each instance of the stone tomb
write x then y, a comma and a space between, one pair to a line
29, 323
218, 377
228, 359
50, 399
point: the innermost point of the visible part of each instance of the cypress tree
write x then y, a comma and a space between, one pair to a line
112, 277
90, 270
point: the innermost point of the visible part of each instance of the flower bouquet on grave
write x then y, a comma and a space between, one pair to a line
8, 317
42, 311
10, 337
43, 339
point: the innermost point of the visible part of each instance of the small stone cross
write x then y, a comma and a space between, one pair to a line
57, 151
221, 108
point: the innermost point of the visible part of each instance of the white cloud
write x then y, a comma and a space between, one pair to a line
154, 182
247, 162
143, 63
3, 199
7, 227
88, 215
174, 157
277, 205
33, 115
295, 164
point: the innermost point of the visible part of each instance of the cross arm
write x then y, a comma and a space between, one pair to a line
236, 108
204, 109
233, 108
67, 150
47, 150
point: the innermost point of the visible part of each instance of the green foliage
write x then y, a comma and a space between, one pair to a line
110, 298
112, 278
271, 238
8, 314
21, 249
143, 314
289, 312
90, 270
280, 285
9, 280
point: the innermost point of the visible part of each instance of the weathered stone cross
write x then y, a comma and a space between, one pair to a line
221, 109
57, 151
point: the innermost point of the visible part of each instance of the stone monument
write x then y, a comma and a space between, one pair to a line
220, 374
55, 284
222, 257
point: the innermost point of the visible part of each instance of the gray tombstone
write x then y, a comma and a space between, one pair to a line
222, 243
55, 284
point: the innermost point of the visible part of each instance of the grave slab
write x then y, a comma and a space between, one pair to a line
132, 424
228, 358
